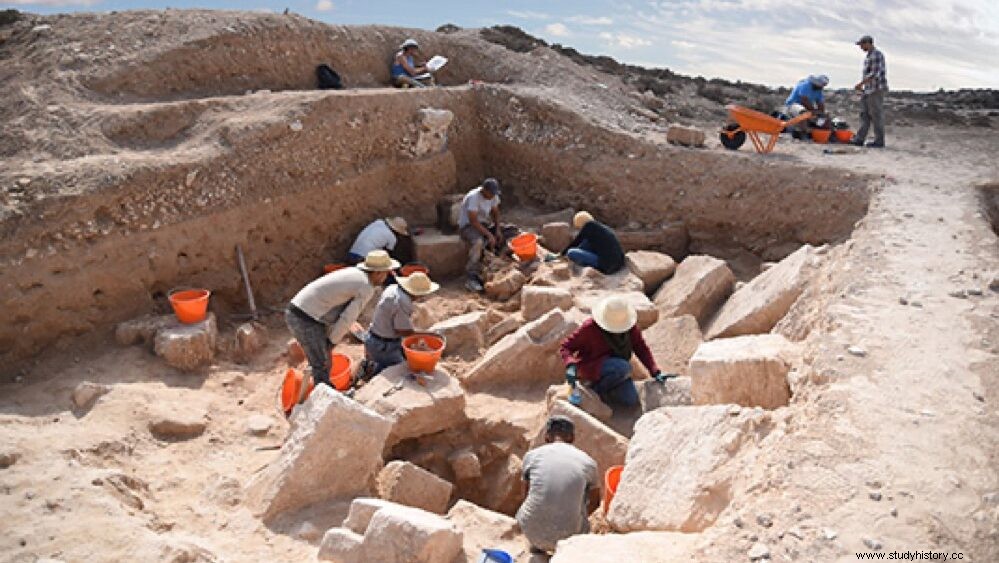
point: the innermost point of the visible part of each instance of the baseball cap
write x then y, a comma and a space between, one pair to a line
493, 185
865, 39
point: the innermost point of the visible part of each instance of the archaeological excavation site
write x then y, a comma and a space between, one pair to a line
827, 322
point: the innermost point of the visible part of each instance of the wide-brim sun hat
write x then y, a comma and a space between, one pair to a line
398, 224
418, 284
615, 314
581, 218
409, 43
378, 261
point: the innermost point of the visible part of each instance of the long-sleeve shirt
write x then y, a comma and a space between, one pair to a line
587, 349
336, 300
600, 240
875, 73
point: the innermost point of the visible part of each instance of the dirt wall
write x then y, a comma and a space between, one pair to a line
560, 159
293, 199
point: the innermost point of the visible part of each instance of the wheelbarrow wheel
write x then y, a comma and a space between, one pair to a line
732, 141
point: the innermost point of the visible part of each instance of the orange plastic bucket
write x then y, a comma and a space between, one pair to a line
410, 269
611, 479
423, 360
340, 371
525, 246
843, 135
190, 305
291, 388
821, 135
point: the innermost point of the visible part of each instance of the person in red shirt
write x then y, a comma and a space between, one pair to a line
599, 352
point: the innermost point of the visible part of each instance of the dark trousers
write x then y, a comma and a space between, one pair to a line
311, 334
872, 112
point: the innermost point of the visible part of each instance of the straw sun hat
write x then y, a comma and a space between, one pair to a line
378, 261
615, 314
581, 219
418, 284
398, 224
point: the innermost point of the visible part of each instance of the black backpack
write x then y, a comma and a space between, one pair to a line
328, 78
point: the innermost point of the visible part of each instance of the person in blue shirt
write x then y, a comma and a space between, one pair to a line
807, 96
405, 70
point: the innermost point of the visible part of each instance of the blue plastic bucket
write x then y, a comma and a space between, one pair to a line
495, 556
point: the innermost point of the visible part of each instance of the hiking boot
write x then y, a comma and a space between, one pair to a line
472, 284
856, 142
875, 145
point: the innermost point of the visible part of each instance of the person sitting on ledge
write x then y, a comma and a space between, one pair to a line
562, 488
392, 321
390, 234
596, 245
405, 71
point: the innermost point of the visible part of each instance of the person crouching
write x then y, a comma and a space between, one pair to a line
392, 321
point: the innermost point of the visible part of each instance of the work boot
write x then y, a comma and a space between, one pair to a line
875, 145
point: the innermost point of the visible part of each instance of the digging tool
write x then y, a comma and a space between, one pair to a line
394, 388
246, 283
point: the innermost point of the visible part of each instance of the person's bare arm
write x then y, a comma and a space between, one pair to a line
808, 104
412, 70
592, 499
473, 220
494, 213
822, 107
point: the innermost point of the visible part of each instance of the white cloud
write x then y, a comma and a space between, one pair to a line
56, 3
558, 30
324, 5
624, 40
590, 20
528, 15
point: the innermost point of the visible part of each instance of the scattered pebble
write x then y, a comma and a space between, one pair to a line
872, 544
875, 495
857, 351
907, 215
978, 396
259, 425
737, 522
829, 534
295, 125
759, 551
903, 301
994, 284
764, 520
893, 511
974, 291
958, 293
917, 304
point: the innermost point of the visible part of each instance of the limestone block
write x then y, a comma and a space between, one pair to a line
679, 469
483, 528
432, 137
747, 370
465, 464
411, 485
589, 400
502, 482
763, 302
341, 545
173, 422
686, 136
361, 511
535, 301
86, 393
673, 340
142, 330
501, 329
188, 347
444, 255
653, 268
698, 287
671, 238
605, 446
395, 534
529, 355
556, 236
259, 425
648, 314
448, 210
464, 334
622, 280
505, 285
674, 392
647, 547
334, 450
251, 337
414, 410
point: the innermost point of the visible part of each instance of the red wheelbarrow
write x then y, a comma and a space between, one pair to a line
753, 123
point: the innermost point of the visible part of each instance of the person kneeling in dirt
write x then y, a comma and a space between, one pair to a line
390, 234
480, 205
596, 245
404, 68
806, 96
393, 320
321, 313
562, 488
599, 353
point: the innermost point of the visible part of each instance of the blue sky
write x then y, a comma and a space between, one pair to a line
928, 44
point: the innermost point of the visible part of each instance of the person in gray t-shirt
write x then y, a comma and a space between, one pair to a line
562, 488
392, 321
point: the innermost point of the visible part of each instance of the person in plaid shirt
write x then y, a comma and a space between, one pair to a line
874, 85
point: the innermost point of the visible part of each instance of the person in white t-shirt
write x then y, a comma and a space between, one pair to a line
479, 226
382, 234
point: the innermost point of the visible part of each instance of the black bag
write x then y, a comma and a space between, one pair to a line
328, 78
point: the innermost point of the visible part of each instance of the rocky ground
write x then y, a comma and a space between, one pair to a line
878, 373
